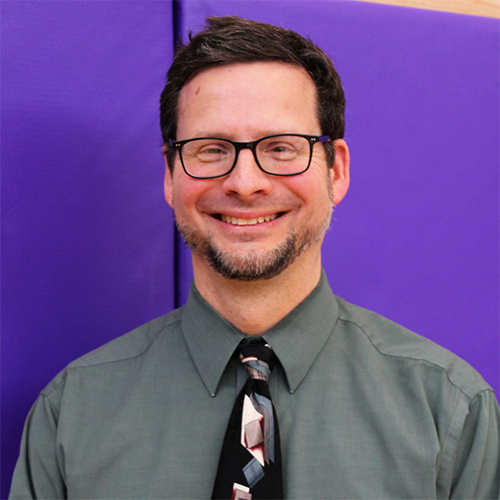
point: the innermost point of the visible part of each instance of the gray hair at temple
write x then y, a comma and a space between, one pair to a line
229, 40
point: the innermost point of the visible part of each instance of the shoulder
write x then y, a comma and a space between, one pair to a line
395, 344
122, 350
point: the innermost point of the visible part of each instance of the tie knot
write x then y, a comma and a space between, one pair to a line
257, 356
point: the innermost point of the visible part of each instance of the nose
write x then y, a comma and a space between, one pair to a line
247, 180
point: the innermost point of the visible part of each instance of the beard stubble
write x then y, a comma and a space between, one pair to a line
254, 265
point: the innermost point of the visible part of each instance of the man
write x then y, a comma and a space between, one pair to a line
252, 123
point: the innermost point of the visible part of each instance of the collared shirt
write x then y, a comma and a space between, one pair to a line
366, 409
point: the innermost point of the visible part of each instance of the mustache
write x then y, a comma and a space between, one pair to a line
216, 206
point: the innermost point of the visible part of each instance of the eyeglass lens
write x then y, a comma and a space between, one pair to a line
280, 155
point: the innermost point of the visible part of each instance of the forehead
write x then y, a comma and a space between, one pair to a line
259, 95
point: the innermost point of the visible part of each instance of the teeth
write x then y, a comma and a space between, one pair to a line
237, 221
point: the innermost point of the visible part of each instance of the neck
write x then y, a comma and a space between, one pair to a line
254, 307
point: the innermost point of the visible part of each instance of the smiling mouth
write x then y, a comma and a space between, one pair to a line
238, 221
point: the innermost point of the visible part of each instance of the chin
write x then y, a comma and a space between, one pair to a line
252, 265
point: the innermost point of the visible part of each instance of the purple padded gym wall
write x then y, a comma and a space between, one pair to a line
87, 238
416, 238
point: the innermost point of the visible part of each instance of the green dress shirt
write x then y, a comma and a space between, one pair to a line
366, 408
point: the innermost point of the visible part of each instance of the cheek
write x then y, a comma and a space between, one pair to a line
187, 193
313, 187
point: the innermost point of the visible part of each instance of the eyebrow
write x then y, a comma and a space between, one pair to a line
225, 135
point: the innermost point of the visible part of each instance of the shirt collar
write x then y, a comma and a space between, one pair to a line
296, 340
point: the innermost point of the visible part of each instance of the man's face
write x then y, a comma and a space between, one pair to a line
249, 225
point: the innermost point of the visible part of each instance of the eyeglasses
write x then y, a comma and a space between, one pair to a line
282, 155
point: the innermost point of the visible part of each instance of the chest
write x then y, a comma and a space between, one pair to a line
165, 443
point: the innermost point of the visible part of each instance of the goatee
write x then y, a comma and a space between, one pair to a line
253, 265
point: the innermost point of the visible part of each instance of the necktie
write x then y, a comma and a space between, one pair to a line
250, 461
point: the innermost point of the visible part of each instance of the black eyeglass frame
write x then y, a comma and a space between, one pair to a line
238, 146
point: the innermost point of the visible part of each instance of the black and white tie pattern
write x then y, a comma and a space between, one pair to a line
250, 461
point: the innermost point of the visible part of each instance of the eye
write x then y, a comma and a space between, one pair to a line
208, 150
212, 150
280, 150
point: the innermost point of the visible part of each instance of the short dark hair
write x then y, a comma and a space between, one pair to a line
231, 39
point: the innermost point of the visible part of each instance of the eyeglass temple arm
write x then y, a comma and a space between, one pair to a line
324, 138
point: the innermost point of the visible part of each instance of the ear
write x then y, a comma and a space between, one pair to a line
168, 182
340, 178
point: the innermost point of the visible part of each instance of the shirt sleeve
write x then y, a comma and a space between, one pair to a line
476, 472
38, 473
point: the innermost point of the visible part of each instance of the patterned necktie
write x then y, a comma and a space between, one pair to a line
250, 461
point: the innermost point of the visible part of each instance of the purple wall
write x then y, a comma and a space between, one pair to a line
87, 238
416, 239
